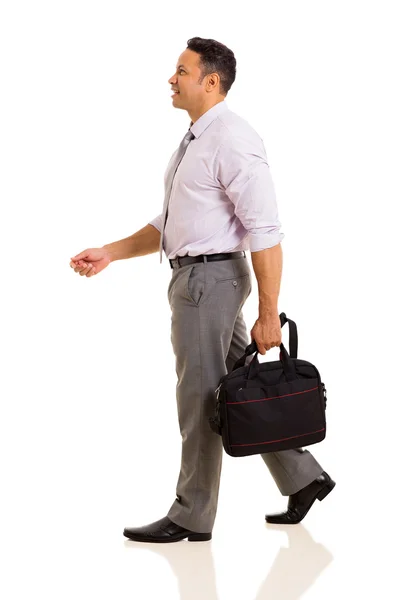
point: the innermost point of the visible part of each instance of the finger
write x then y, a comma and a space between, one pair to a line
86, 270
91, 272
79, 256
79, 267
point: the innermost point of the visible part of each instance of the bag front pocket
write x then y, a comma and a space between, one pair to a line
276, 413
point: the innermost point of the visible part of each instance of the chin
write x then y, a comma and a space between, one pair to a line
179, 105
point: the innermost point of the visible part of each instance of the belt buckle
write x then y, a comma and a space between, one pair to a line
175, 261
178, 260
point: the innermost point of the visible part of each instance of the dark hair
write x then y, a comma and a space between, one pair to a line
215, 58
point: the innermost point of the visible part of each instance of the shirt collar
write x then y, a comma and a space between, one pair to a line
207, 118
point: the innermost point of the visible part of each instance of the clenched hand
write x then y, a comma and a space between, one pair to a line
90, 261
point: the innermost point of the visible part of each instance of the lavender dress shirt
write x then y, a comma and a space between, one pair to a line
222, 197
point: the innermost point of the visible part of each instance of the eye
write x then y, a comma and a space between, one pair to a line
181, 71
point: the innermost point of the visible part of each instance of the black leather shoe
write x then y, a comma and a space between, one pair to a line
300, 503
164, 530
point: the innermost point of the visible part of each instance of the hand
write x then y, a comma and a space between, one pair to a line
90, 261
267, 333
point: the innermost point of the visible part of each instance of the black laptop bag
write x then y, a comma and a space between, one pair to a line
270, 406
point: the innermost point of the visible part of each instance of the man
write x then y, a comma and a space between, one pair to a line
219, 202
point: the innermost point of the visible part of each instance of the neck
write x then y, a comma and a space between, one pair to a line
195, 114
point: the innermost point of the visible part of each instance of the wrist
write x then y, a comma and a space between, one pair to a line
112, 252
268, 308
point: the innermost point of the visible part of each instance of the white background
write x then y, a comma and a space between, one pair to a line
89, 437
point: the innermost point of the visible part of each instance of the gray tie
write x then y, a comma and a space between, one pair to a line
168, 184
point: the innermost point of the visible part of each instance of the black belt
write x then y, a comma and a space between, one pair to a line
181, 261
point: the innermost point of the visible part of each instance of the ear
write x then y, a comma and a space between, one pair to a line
213, 81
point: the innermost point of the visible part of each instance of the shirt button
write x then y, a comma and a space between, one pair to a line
234, 282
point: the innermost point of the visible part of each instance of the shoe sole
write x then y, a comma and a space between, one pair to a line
192, 537
321, 495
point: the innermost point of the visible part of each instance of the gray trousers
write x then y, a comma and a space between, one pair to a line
208, 335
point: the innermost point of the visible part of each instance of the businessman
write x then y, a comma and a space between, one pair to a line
219, 202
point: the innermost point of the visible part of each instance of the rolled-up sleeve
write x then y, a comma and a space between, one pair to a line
157, 222
243, 172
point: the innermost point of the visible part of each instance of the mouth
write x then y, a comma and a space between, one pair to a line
175, 93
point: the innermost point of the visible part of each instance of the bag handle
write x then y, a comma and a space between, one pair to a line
286, 360
293, 342
288, 365
293, 339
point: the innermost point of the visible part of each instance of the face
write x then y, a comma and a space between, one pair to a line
192, 94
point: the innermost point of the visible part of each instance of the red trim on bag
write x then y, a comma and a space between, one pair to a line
272, 397
282, 440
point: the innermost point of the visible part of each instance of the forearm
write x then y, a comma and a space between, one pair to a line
267, 265
145, 241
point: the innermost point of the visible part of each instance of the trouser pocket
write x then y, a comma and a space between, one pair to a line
195, 284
